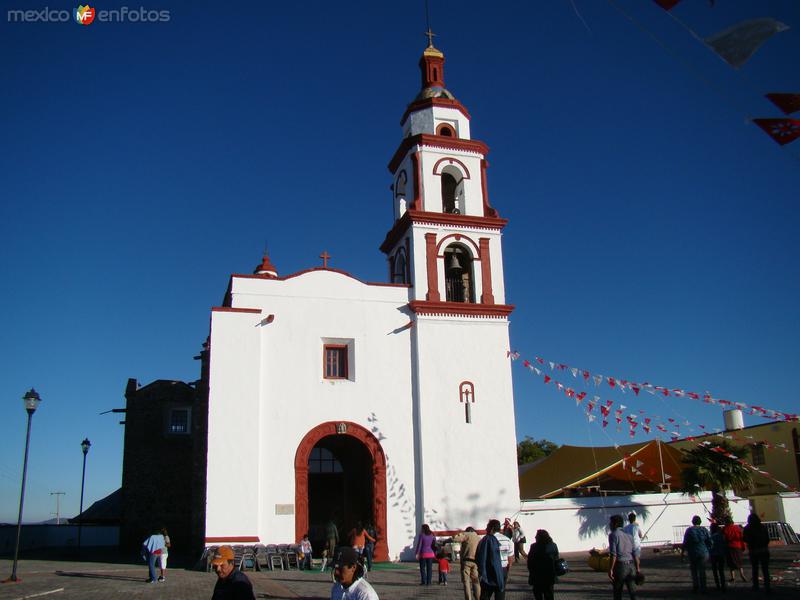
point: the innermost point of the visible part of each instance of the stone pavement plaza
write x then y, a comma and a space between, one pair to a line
667, 577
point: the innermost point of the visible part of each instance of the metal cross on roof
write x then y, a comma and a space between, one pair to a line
430, 36
325, 256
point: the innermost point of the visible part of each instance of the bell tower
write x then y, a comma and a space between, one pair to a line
446, 245
445, 241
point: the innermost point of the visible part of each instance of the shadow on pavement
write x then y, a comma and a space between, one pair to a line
99, 576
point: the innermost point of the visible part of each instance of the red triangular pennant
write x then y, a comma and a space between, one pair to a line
783, 131
788, 103
667, 4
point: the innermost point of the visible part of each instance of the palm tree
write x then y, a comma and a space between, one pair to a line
709, 469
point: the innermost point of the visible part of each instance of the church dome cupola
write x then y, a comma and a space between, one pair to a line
432, 69
266, 268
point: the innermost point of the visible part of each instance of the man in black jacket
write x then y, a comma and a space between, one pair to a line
232, 584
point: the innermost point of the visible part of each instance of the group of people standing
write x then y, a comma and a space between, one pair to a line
486, 560
722, 546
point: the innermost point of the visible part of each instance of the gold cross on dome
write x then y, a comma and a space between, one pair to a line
430, 35
325, 256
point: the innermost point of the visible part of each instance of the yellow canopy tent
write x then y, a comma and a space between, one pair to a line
581, 471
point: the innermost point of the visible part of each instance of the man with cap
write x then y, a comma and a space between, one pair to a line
349, 573
232, 584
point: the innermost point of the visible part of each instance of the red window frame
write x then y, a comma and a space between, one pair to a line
339, 351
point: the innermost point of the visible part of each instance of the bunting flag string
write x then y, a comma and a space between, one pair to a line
723, 452
637, 388
735, 46
641, 421
636, 466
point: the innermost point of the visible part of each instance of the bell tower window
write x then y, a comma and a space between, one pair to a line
446, 130
400, 186
458, 274
399, 268
449, 185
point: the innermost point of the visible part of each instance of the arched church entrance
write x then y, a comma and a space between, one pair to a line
340, 474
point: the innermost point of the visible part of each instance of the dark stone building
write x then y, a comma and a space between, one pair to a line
164, 462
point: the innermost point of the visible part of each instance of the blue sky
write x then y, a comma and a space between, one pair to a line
652, 229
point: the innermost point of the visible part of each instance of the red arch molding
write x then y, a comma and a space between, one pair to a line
363, 435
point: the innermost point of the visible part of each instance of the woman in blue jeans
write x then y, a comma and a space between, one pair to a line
425, 554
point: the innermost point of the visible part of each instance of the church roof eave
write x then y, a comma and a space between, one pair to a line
318, 269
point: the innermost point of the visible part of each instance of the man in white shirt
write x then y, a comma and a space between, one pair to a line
506, 552
349, 573
633, 530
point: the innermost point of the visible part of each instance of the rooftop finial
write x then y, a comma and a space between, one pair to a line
430, 35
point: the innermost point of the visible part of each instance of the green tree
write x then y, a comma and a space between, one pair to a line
706, 469
529, 449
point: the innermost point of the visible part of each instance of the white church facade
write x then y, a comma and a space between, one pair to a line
389, 403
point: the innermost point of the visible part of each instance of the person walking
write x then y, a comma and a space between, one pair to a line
756, 537
470, 577
306, 550
519, 539
151, 550
358, 538
542, 559
735, 542
696, 542
369, 546
425, 554
162, 558
633, 530
443, 565
490, 567
331, 538
621, 570
718, 554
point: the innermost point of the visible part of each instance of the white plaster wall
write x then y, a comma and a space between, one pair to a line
790, 509
426, 121
432, 184
233, 432
452, 116
577, 524
468, 470
421, 121
294, 396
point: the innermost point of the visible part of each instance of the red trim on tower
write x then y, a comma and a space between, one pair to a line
255, 311
487, 209
232, 538
418, 105
461, 309
435, 141
433, 272
416, 165
487, 297
451, 160
458, 237
419, 216
379, 505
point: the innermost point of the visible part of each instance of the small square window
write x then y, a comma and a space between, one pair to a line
335, 357
759, 460
178, 421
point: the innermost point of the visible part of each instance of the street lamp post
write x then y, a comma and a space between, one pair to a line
31, 400
85, 445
